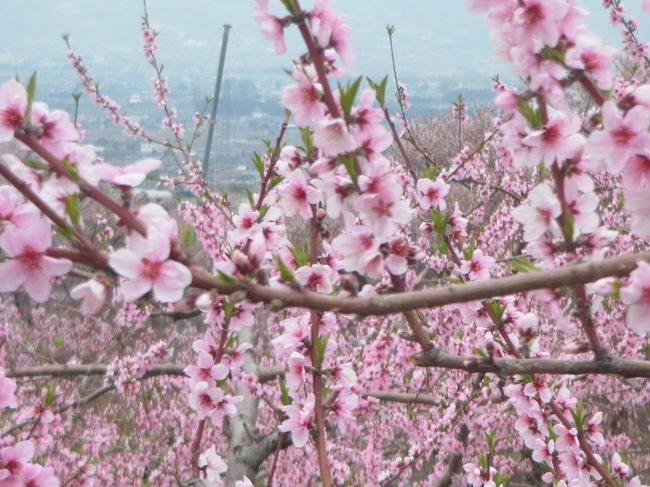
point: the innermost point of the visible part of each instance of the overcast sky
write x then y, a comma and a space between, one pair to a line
434, 37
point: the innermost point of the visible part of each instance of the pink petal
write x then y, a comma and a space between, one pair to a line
55, 267
125, 263
12, 275
134, 289
38, 286
171, 282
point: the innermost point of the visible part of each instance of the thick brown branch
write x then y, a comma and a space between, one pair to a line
507, 366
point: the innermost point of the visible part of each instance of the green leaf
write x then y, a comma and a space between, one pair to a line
390, 30
379, 89
439, 221
72, 208
226, 279
307, 139
553, 54
521, 264
501, 479
31, 93
431, 172
34, 164
50, 397
349, 164
71, 170
274, 182
228, 308
258, 163
568, 225
496, 309
187, 237
66, 232
300, 256
319, 347
348, 95
285, 399
57, 341
578, 415
533, 117
285, 274
251, 198
479, 352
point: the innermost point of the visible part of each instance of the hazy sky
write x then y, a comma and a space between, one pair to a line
434, 37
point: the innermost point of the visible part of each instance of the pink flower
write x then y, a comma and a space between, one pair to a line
621, 137
478, 267
556, 141
295, 373
272, 27
92, 293
593, 429
567, 440
146, 267
296, 196
343, 409
7, 391
298, 421
210, 401
365, 116
206, 370
540, 215
14, 459
345, 375
38, 476
127, 176
29, 266
211, 465
317, 278
246, 225
590, 55
543, 451
638, 205
13, 105
382, 213
359, 248
432, 193
538, 387
637, 296
332, 137
54, 128
303, 99
538, 20
636, 173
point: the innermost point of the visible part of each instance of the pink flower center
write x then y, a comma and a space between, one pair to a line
433, 194
533, 14
622, 135
400, 248
475, 266
13, 466
205, 400
591, 60
382, 208
151, 269
11, 117
30, 258
309, 95
366, 241
299, 193
551, 134
314, 280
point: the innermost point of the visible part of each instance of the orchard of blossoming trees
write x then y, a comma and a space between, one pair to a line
370, 316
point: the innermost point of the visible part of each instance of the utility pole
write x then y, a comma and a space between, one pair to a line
215, 100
